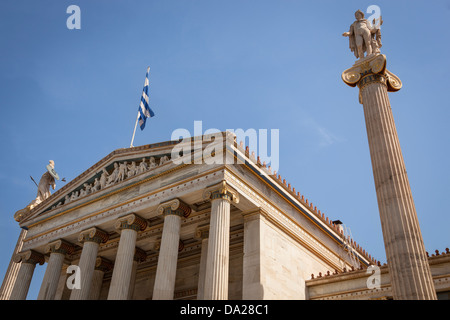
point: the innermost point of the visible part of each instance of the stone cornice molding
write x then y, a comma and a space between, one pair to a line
150, 199
30, 256
60, 246
93, 235
131, 221
174, 207
221, 191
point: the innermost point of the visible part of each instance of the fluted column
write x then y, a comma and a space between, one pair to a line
28, 260
13, 270
91, 240
120, 282
102, 266
217, 263
139, 256
58, 250
405, 251
202, 233
166, 270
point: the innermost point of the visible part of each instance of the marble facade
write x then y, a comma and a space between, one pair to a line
179, 231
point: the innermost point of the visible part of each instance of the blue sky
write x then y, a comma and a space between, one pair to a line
72, 95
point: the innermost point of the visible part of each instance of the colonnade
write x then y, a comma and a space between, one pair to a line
214, 261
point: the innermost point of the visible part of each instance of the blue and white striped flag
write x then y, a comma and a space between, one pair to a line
144, 109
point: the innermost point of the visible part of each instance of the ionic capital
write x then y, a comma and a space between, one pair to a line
369, 70
103, 264
60, 246
30, 256
175, 207
139, 255
221, 191
202, 232
93, 235
131, 221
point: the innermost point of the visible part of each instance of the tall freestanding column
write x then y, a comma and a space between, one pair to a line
406, 257
91, 240
216, 279
123, 267
166, 270
28, 260
58, 250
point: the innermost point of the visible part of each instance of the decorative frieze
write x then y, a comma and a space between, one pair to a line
120, 172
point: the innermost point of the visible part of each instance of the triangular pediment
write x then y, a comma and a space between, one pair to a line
118, 169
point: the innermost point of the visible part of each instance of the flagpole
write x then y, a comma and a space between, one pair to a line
134, 132
137, 118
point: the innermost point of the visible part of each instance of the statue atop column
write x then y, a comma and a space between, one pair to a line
405, 251
364, 37
47, 181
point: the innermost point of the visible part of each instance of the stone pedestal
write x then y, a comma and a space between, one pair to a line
166, 270
120, 282
58, 250
216, 279
405, 251
28, 261
91, 240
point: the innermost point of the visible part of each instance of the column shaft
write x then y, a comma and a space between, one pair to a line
407, 261
86, 268
13, 270
216, 280
23, 281
51, 276
97, 282
202, 270
168, 257
120, 282
28, 261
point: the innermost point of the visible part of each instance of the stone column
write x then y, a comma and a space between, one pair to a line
58, 250
102, 266
91, 239
139, 256
13, 270
28, 261
166, 270
202, 233
216, 279
406, 257
120, 282
253, 260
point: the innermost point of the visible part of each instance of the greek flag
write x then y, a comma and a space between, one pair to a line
144, 109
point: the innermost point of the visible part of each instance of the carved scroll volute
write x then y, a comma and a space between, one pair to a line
175, 206
221, 190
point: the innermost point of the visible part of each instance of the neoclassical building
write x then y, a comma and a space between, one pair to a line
141, 225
